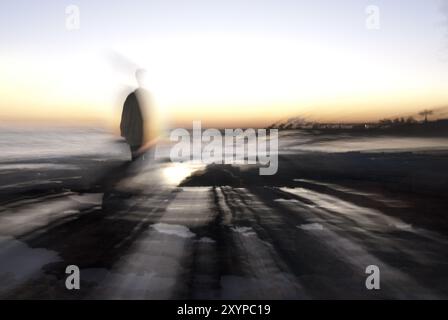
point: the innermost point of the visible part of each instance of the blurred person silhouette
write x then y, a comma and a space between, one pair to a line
133, 130
132, 125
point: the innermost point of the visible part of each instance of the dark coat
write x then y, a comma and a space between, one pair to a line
131, 125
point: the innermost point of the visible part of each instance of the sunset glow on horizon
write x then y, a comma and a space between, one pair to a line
228, 65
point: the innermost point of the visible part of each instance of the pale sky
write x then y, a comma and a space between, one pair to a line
227, 63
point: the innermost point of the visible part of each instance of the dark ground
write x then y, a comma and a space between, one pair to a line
308, 232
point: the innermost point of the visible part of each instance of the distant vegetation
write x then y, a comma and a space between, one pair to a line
408, 124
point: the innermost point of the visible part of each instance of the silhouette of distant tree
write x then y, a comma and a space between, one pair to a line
426, 113
385, 122
410, 120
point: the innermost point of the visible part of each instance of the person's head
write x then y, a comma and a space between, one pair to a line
139, 76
